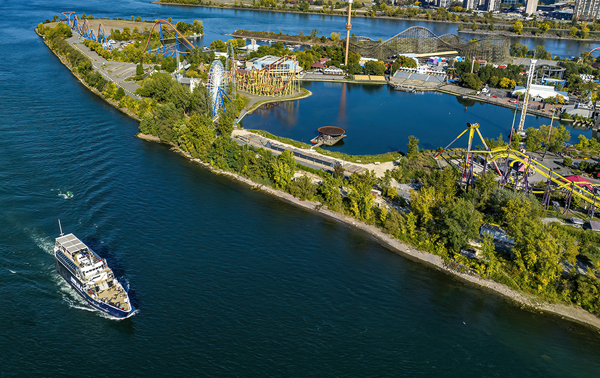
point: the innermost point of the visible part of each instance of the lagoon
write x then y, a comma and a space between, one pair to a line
379, 119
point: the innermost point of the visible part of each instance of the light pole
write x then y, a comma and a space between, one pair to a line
348, 27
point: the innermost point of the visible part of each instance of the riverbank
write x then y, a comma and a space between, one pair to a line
530, 302
510, 34
524, 301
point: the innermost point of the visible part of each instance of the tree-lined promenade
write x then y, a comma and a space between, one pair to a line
442, 218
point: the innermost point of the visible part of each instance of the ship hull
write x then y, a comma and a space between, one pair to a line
77, 286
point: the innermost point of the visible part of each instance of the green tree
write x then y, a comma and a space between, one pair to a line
422, 205
139, 70
413, 147
282, 169
518, 50
330, 192
217, 44
361, 199
405, 61
471, 80
541, 53
573, 31
302, 188
460, 223
517, 27
543, 27
197, 135
314, 32
567, 161
374, 68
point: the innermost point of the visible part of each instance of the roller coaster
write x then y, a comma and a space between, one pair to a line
420, 40
84, 30
162, 48
277, 79
518, 167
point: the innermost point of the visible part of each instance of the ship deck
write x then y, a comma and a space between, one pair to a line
114, 297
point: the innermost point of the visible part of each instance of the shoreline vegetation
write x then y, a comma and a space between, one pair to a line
189, 131
466, 20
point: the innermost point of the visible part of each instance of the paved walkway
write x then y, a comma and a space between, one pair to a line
308, 157
115, 72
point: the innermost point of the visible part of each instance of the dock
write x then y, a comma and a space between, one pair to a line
328, 135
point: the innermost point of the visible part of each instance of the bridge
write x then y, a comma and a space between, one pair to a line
422, 41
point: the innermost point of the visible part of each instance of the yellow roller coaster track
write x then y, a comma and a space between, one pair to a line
505, 152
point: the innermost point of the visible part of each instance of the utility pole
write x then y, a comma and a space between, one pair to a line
550, 129
348, 27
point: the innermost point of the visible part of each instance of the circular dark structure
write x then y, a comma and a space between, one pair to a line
331, 130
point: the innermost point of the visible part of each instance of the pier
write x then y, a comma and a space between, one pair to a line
329, 135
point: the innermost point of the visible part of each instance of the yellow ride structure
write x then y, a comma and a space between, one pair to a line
554, 181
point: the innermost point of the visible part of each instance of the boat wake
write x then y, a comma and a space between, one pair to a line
45, 243
66, 195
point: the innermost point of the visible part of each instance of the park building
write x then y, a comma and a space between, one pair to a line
587, 9
289, 65
540, 92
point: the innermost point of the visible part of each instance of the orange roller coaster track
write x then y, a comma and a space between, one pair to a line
277, 79
161, 40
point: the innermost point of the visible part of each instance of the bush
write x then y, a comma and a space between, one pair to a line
567, 162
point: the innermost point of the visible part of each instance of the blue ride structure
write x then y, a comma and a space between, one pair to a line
84, 30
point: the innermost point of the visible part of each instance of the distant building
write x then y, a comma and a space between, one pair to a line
587, 9
531, 7
540, 92
267, 60
470, 4
491, 5
333, 70
444, 3
510, 2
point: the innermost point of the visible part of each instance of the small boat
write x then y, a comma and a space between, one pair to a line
90, 276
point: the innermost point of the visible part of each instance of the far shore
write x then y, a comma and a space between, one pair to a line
345, 14
525, 301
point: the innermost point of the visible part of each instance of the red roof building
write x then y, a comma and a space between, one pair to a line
317, 64
580, 181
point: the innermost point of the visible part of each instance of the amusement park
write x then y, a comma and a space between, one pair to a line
517, 212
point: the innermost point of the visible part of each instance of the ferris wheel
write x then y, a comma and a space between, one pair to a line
217, 86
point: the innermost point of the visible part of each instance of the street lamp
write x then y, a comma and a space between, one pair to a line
348, 27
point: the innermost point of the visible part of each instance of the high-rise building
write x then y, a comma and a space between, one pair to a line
491, 5
531, 7
444, 3
470, 4
587, 9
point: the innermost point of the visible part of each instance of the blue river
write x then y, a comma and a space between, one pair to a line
228, 281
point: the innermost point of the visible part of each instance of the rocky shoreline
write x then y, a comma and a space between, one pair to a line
524, 301
529, 302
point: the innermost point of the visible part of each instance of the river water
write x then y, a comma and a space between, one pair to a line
228, 281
